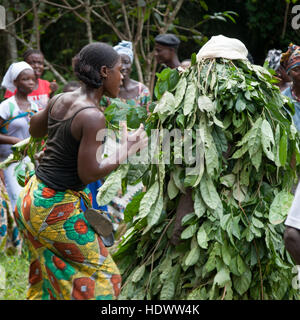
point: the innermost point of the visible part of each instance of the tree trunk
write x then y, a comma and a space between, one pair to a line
12, 50
287, 6
88, 21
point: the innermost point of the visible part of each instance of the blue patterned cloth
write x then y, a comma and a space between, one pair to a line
296, 117
93, 187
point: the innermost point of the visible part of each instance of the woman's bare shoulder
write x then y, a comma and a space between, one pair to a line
88, 119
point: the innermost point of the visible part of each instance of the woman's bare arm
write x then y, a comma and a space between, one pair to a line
39, 122
89, 167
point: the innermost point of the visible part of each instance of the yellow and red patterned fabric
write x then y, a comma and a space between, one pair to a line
68, 259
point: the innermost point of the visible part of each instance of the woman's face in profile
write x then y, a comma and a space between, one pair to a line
114, 80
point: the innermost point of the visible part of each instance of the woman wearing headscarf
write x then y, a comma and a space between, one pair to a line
43, 89
291, 62
132, 92
15, 113
273, 58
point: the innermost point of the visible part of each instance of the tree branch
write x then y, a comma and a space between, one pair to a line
74, 11
173, 15
123, 8
47, 63
108, 22
285, 18
140, 25
53, 20
87, 7
36, 22
19, 18
61, 6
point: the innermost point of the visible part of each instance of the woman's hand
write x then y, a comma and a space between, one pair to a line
53, 86
91, 165
132, 142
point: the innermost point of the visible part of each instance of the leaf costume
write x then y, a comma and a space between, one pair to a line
232, 241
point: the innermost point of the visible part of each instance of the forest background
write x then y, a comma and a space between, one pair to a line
60, 28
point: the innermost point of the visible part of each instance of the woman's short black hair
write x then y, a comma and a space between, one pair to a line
88, 62
29, 52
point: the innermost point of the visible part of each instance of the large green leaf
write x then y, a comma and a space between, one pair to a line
209, 193
280, 207
110, 187
180, 92
189, 99
242, 283
267, 139
148, 200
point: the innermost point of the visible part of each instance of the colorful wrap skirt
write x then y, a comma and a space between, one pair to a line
68, 260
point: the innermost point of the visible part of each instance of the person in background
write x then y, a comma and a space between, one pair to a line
43, 89
15, 113
165, 50
292, 230
71, 86
273, 58
132, 92
10, 239
68, 258
290, 60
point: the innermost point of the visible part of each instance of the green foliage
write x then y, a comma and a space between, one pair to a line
119, 111
16, 275
24, 152
232, 244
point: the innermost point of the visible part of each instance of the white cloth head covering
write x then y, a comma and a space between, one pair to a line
223, 47
125, 47
12, 74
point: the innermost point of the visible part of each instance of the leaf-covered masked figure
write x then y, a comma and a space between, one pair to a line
68, 257
210, 224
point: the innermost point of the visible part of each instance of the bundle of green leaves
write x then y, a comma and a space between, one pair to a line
120, 111
24, 153
232, 243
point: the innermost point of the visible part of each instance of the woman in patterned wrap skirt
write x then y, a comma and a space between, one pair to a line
68, 258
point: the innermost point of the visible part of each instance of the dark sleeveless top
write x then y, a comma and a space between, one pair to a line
58, 167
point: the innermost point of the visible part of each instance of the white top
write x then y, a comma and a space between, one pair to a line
17, 128
293, 218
